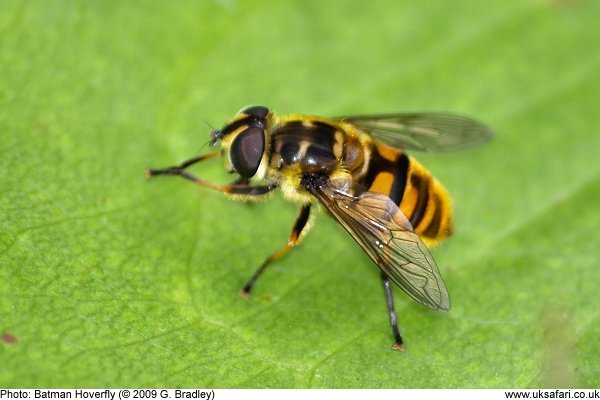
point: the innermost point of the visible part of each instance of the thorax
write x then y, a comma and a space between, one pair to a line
311, 145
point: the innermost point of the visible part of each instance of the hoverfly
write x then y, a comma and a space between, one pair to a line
356, 168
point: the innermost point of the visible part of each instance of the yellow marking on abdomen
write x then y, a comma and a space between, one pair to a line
382, 183
409, 200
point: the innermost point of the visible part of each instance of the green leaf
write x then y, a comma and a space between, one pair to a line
110, 280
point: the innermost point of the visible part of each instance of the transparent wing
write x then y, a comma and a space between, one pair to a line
430, 132
386, 235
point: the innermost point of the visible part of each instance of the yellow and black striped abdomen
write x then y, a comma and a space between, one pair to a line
423, 200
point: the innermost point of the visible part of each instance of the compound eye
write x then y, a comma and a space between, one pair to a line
259, 112
247, 150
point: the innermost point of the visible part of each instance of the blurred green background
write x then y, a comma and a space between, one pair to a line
110, 280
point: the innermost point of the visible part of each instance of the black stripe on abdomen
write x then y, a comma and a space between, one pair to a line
398, 168
434, 225
397, 189
422, 188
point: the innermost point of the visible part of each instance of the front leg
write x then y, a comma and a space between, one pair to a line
241, 189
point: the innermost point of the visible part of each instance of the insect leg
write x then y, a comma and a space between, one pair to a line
238, 189
293, 239
185, 164
399, 344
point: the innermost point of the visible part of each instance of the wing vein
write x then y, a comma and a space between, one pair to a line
385, 234
430, 132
